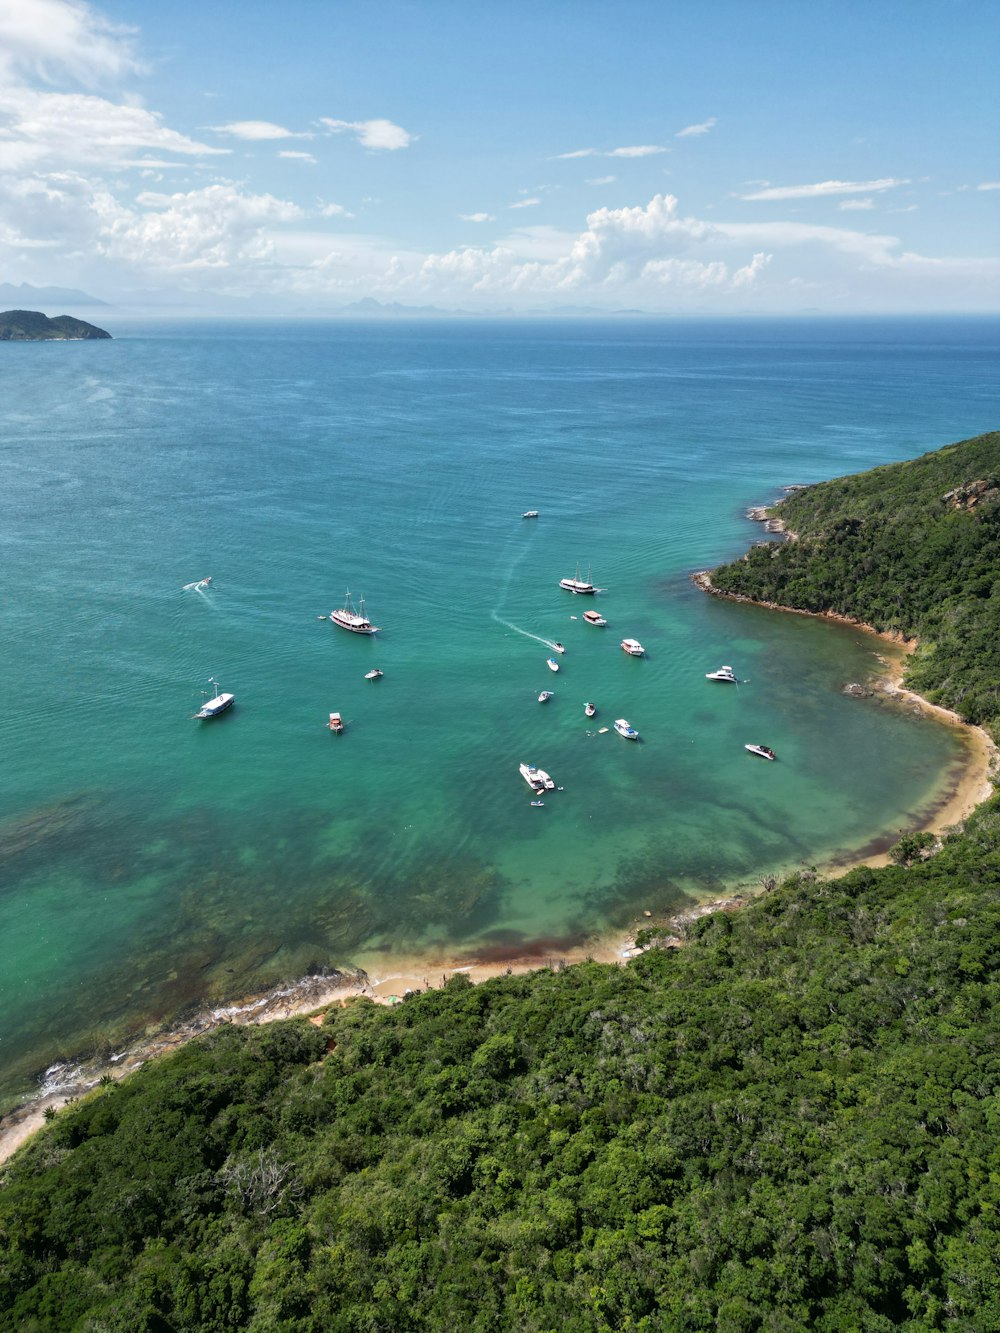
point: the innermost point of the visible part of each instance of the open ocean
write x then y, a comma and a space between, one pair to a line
151, 865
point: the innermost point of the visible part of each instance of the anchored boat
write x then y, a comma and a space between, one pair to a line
633, 647
625, 728
213, 707
354, 620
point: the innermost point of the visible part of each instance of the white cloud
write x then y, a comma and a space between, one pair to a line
602, 180
824, 188
78, 128
580, 152
989, 185
49, 39
382, 134
526, 203
477, 217
639, 150
856, 205
214, 228
334, 211
297, 157
256, 130
690, 131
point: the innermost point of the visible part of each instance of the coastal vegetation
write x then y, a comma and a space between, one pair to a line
909, 549
788, 1124
33, 326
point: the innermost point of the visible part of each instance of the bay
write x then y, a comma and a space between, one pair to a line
150, 864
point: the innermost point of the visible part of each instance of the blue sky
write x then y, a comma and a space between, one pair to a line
671, 156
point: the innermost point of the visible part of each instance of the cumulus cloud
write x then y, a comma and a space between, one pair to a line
212, 228
257, 130
334, 211
691, 131
52, 39
381, 134
822, 189
478, 217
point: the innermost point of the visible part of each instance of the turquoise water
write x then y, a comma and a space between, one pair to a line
151, 863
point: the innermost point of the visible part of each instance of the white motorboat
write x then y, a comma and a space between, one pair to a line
354, 620
545, 696
552, 664
577, 584
374, 674
219, 704
530, 513
589, 709
536, 778
764, 751
336, 723
594, 618
626, 729
724, 673
559, 647
633, 647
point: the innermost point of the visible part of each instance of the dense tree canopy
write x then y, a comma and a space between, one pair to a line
912, 547
791, 1123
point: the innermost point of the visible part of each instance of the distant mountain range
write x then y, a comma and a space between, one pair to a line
20, 295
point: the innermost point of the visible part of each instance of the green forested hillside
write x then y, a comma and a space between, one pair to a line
912, 547
33, 326
790, 1124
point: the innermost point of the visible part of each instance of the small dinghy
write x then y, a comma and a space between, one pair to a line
374, 674
530, 513
545, 696
589, 709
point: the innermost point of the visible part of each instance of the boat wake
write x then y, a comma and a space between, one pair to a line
199, 585
496, 615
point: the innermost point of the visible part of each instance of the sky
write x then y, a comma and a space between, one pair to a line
672, 156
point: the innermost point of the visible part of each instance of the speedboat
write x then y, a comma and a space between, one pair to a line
545, 696
626, 729
336, 723
530, 513
589, 709
594, 618
633, 647
552, 664
536, 778
537, 802
213, 707
724, 673
374, 674
559, 647
577, 584
354, 620
764, 751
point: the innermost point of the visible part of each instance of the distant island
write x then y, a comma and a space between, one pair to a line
33, 326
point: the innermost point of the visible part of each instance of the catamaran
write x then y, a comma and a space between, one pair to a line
354, 620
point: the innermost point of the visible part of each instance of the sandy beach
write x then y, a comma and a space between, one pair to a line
389, 979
